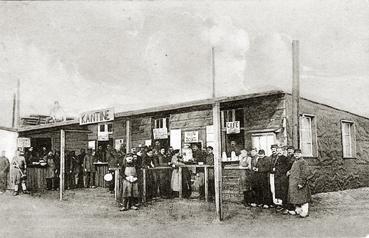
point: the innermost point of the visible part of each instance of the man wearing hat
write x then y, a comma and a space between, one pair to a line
280, 166
261, 171
299, 190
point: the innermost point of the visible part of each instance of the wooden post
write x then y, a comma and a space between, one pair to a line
62, 164
116, 184
144, 185
206, 183
128, 136
295, 94
180, 181
217, 161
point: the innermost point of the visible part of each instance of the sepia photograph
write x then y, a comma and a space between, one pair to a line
183, 118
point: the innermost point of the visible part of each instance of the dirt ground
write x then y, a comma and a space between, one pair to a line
94, 213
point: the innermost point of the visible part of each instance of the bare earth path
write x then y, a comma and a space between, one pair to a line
93, 213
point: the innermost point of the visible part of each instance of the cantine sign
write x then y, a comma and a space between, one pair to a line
97, 116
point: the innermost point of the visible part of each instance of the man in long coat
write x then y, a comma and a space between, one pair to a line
4, 170
261, 180
280, 166
299, 191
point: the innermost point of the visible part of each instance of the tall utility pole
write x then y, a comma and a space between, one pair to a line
18, 103
217, 147
295, 94
13, 112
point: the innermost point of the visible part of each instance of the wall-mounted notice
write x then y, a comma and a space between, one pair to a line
191, 136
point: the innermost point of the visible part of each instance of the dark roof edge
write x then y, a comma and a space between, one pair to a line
335, 108
8, 129
196, 103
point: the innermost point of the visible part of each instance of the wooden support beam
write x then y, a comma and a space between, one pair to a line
62, 164
144, 185
206, 184
116, 184
217, 161
128, 136
295, 94
180, 181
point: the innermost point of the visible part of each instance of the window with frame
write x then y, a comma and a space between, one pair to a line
106, 127
160, 123
306, 135
231, 116
347, 139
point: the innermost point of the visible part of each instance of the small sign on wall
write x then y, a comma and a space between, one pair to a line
102, 136
233, 127
118, 143
160, 133
92, 145
147, 142
23, 142
191, 136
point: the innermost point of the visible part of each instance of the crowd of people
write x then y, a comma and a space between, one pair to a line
164, 182
280, 180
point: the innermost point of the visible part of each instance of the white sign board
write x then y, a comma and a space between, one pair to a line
23, 142
148, 142
233, 127
92, 145
160, 133
97, 116
175, 139
118, 143
191, 136
102, 136
210, 136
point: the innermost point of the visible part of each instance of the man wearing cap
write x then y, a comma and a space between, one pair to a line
261, 170
299, 190
4, 169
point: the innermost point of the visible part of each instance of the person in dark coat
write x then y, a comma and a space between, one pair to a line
100, 154
299, 191
164, 175
149, 161
4, 170
261, 174
75, 169
199, 158
50, 171
279, 168
88, 169
254, 182
209, 160
111, 158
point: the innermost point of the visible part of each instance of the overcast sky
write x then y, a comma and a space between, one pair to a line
131, 55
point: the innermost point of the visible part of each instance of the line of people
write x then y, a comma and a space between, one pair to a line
164, 183
280, 180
